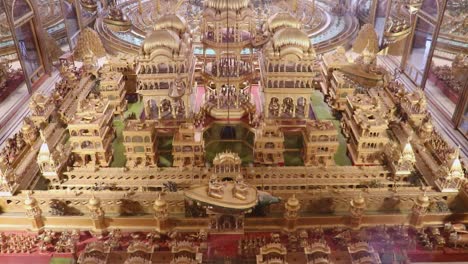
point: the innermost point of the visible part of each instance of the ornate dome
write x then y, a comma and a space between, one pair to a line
30, 201
160, 203
291, 36
26, 127
423, 200
282, 19
171, 21
358, 202
227, 4
94, 201
161, 38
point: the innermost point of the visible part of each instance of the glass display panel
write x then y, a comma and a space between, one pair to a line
430, 7
11, 72
27, 47
419, 52
380, 14
20, 8
71, 18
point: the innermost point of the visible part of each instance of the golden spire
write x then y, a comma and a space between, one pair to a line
408, 153
456, 169
294, 6
140, 7
158, 6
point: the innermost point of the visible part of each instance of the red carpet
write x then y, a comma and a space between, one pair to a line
26, 259
223, 245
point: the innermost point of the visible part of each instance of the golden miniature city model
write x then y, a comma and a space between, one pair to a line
234, 143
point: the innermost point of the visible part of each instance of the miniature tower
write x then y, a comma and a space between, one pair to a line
97, 214
140, 143
91, 133
452, 176
112, 87
49, 163
365, 126
269, 144
415, 106
320, 143
419, 209
164, 69
188, 147
426, 128
161, 213
34, 212
292, 207
356, 210
29, 132
289, 50
228, 75
42, 108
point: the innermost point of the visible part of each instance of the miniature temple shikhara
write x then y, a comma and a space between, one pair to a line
233, 125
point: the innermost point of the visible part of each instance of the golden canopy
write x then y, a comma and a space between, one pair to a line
161, 38
282, 19
291, 36
227, 4
171, 21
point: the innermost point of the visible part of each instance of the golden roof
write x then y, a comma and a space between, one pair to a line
291, 36
26, 127
358, 202
282, 19
30, 201
94, 201
161, 38
423, 200
456, 169
227, 4
428, 126
171, 21
293, 202
160, 203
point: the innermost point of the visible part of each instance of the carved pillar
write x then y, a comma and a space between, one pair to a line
97, 215
34, 212
161, 214
292, 207
419, 209
356, 211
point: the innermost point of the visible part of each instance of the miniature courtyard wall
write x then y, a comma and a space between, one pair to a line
118, 203
110, 205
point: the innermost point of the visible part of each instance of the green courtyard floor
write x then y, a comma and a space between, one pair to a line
117, 145
322, 112
61, 261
